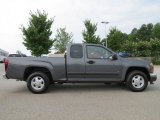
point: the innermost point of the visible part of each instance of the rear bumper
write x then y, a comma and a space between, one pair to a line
153, 77
5, 76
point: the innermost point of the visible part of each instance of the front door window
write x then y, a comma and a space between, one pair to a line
97, 52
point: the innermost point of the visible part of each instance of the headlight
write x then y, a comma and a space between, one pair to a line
151, 68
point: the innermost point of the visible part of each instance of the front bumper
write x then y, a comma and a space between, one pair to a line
5, 76
153, 77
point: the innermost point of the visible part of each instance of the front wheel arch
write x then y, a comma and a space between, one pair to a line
131, 69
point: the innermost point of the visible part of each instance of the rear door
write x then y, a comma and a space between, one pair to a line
99, 67
75, 62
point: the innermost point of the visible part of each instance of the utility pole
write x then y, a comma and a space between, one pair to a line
105, 25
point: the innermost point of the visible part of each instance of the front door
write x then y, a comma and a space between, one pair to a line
99, 66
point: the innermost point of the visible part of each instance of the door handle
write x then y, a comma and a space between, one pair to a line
90, 62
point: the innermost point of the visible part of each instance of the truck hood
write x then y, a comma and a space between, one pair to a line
135, 62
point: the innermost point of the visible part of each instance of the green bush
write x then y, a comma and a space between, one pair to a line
144, 49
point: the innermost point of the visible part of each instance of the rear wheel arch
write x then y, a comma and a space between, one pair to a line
28, 71
38, 82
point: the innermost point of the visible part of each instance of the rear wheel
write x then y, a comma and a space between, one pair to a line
137, 81
38, 82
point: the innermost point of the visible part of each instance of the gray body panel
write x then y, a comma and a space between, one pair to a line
18, 65
75, 66
103, 69
130, 63
76, 69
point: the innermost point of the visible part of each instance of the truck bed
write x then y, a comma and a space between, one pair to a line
18, 65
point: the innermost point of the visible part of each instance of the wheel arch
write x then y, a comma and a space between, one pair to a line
29, 70
142, 69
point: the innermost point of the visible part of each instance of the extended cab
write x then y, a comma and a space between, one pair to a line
82, 63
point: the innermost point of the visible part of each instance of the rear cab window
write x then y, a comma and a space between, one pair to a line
76, 51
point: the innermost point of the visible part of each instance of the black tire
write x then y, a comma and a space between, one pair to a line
40, 86
137, 81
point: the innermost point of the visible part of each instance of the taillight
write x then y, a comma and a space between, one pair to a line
6, 63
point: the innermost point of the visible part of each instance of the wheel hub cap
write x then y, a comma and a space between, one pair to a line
37, 83
138, 81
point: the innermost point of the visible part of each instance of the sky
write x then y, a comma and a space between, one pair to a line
123, 14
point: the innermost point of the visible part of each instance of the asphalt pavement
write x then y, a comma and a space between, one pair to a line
78, 102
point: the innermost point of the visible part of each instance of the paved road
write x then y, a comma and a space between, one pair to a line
78, 102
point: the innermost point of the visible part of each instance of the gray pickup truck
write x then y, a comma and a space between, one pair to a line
82, 63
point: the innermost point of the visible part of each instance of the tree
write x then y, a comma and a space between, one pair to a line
89, 33
143, 49
156, 31
130, 47
37, 35
155, 48
133, 35
145, 32
116, 39
62, 39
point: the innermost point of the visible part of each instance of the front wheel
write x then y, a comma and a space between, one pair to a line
38, 82
137, 81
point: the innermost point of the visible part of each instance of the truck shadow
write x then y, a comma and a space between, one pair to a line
87, 87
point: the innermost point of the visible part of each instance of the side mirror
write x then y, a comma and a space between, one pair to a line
114, 57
